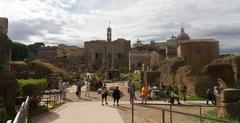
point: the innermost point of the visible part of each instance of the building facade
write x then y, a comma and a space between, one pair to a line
196, 52
51, 53
107, 54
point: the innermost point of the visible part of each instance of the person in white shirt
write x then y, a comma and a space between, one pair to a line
87, 94
104, 92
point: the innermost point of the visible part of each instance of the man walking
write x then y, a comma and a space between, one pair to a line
104, 93
131, 92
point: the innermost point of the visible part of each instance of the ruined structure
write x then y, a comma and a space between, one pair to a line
185, 61
226, 69
229, 102
8, 84
159, 47
3, 25
105, 55
139, 59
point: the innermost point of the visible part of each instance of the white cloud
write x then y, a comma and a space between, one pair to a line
78, 20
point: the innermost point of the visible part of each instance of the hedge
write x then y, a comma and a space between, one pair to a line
33, 88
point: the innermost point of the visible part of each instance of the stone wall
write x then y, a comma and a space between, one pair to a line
8, 87
226, 69
229, 98
175, 72
3, 25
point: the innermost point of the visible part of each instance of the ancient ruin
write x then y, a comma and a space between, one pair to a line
8, 84
104, 55
185, 61
229, 103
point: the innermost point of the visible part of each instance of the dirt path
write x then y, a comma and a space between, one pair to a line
89, 110
81, 112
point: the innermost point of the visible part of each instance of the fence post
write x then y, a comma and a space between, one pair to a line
132, 109
47, 101
170, 113
54, 98
163, 116
200, 112
60, 97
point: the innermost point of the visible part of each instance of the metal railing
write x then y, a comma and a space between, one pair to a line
22, 115
53, 97
171, 111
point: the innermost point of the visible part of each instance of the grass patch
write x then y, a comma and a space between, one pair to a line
213, 114
195, 97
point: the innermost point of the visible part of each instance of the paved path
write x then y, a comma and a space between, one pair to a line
81, 112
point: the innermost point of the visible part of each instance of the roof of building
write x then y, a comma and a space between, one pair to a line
210, 40
182, 35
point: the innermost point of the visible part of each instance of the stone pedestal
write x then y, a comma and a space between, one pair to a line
8, 87
230, 100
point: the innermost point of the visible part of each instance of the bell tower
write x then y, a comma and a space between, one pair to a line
109, 33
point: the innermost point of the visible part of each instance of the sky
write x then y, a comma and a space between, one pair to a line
74, 21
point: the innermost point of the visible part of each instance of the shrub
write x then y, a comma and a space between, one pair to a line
33, 88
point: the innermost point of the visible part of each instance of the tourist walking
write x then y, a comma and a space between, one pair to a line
63, 90
87, 83
78, 90
153, 93
215, 94
116, 96
184, 91
144, 93
104, 93
131, 93
210, 96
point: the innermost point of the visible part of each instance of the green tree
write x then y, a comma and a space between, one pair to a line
33, 49
19, 51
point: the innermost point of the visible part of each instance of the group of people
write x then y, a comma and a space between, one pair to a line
116, 95
212, 93
80, 84
151, 92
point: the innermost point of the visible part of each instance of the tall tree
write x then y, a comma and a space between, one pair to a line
19, 51
33, 48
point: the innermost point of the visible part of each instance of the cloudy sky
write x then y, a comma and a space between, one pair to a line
75, 21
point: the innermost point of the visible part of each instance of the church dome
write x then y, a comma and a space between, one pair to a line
182, 35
